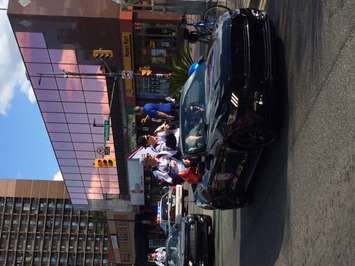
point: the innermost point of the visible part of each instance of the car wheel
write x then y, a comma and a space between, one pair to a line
254, 138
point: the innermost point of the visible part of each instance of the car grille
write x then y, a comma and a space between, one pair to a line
250, 56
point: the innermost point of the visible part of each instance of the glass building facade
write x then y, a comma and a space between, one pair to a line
74, 107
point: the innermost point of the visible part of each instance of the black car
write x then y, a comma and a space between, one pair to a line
190, 242
225, 109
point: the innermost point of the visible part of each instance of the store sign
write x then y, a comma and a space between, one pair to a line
127, 61
136, 181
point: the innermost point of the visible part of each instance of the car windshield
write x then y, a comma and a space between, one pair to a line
172, 247
192, 113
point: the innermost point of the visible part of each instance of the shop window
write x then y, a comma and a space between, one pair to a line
26, 206
42, 206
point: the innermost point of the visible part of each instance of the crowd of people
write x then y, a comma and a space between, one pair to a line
163, 157
162, 154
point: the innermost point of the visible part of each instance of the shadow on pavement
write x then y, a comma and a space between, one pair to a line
263, 223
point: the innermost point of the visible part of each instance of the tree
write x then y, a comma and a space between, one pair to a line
179, 67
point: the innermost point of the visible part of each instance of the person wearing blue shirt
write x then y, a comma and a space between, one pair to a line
156, 110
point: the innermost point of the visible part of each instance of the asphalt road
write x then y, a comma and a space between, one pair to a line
304, 206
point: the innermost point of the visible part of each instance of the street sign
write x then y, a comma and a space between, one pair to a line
103, 150
107, 150
106, 130
127, 74
100, 150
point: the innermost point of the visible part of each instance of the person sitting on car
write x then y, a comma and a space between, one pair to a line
171, 170
163, 111
165, 129
159, 144
158, 256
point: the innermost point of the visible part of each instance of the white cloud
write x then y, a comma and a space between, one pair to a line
58, 176
12, 69
3, 3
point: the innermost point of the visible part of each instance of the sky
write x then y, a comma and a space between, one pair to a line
25, 149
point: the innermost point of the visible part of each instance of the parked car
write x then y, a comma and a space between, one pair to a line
225, 109
190, 242
170, 207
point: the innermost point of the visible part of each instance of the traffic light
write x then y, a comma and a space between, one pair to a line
145, 71
105, 162
102, 54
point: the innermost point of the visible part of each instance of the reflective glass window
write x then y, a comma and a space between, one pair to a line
108, 171
31, 39
47, 83
97, 130
83, 162
72, 96
66, 56
54, 117
91, 184
77, 118
111, 190
70, 169
90, 69
84, 147
51, 107
88, 172
109, 184
36, 69
69, 83
108, 178
79, 128
73, 183
99, 140
56, 127
66, 146
77, 196
85, 155
94, 84
94, 176
96, 97
94, 196
74, 107
76, 177
47, 95
95, 190
59, 137
61, 68
82, 137
75, 189
97, 119
67, 162
35, 55
65, 154
94, 108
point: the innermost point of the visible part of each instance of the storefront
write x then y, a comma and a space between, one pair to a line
156, 42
